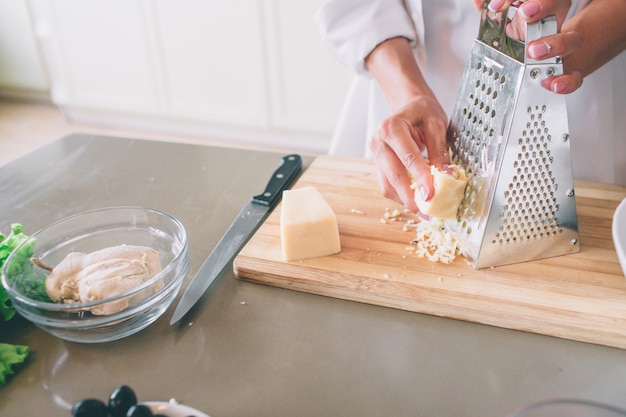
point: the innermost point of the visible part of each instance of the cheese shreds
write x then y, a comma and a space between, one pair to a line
434, 242
390, 216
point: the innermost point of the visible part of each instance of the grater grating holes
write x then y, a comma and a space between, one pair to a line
505, 147
530, 208
477, 125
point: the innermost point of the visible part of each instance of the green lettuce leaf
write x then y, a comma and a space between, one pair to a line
34, 283
10, 356
6, 309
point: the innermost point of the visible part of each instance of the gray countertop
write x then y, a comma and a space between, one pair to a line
254, 350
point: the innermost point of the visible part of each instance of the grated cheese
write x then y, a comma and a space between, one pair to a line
434, 242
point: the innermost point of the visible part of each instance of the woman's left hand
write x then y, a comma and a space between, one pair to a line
562, 44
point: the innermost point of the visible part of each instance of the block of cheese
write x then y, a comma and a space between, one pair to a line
308, 225
449, 192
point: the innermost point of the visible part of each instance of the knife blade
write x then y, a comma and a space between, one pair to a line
245, 224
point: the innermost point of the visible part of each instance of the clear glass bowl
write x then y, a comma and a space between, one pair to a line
172, 409
88, 232
568, 408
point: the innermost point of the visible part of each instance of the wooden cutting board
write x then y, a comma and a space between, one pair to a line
579, 296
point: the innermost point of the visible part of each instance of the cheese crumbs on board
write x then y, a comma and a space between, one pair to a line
432, 241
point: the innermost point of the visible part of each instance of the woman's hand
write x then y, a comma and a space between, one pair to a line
418, 123
398, 147
562, 44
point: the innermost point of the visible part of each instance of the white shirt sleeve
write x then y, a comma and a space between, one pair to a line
351, 29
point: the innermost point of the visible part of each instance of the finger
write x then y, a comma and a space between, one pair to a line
406, 197
562, 44
534, 10
498, 5
516, 29
563, 84
434, 131
393, 179
385, 188
403, 140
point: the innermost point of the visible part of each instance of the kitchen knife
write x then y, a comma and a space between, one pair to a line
240, 230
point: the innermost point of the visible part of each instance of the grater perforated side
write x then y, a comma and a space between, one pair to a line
511, 136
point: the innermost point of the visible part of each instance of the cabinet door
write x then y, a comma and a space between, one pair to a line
212, 58
193, 64
307, 85
99, 53
21, 67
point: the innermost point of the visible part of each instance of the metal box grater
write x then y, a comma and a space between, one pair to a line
511, 136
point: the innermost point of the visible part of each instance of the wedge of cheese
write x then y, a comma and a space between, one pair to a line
449, 192
308, 225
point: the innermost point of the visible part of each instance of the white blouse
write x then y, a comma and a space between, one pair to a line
441, 34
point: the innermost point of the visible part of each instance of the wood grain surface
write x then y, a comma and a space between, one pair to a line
580, 296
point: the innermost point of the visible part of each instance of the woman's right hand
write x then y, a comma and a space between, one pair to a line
418, 123
398, 146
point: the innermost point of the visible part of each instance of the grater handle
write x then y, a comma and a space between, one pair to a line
492, 33
488, 32
537, 30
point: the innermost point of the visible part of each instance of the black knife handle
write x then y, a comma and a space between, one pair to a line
287, 172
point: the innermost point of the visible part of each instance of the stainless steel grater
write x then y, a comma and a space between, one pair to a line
511, 136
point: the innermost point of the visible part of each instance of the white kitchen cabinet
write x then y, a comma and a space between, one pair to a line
212, 60
304, 78
21, 67
250, 70
98, 53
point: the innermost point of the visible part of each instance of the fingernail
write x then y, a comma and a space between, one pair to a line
495, 5
529, 9
423, 193
538, 50
423, 216
558, 87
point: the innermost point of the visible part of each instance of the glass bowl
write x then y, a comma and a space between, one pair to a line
89, 232
173, 409
567, 407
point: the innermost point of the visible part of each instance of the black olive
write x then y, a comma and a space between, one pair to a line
90, 407
120, 401
139, 410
